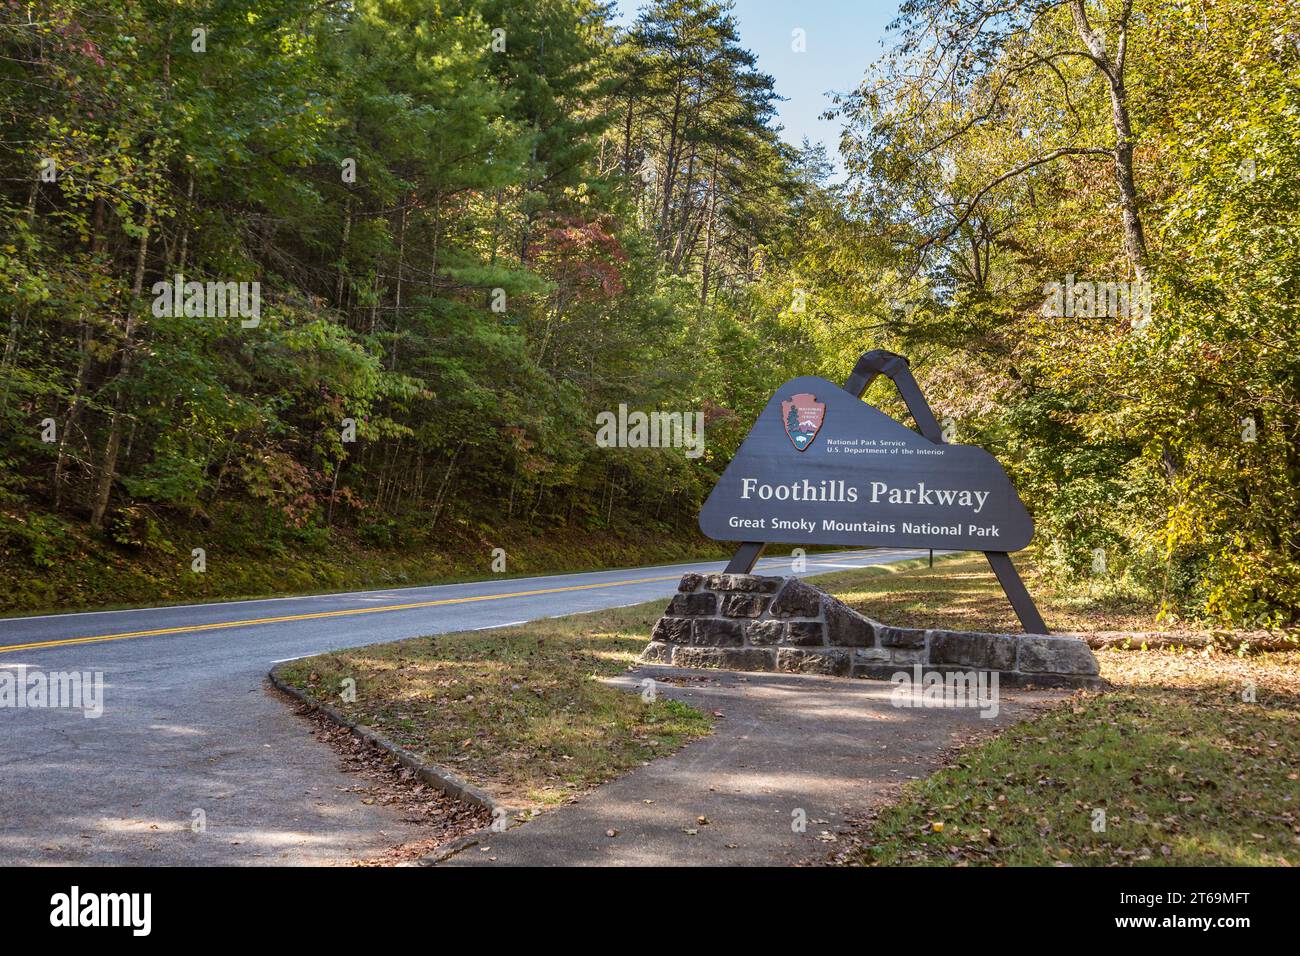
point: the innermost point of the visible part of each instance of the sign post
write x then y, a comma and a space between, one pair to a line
820, 466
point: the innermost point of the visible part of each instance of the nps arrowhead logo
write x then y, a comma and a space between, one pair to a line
803, 416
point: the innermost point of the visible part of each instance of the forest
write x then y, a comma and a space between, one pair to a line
447, 235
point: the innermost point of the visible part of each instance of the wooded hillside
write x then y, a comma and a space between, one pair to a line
476, 224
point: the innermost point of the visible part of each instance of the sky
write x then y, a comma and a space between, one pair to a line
842, 38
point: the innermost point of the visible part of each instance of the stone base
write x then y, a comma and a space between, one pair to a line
748, 622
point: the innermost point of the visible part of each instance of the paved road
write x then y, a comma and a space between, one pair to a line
187, 724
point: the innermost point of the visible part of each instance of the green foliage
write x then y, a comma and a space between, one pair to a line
1167, 446
454, 277
468, 243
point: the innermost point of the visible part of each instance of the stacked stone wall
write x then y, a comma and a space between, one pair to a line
752, 622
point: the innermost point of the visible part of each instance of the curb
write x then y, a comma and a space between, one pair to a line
437, 777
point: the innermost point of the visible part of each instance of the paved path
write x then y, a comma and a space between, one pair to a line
828, 747
188, 725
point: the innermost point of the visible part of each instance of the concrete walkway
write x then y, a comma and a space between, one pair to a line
829, 747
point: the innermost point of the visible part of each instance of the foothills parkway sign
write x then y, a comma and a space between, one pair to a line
848, 474
820, 466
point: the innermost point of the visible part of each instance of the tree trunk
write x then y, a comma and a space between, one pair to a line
496, 233
442, 488
343, 255
334, 487
627, 137
109, 470
74, 406
15, 314
185, 232
397, 295
1135, 245
670, 170
679, 243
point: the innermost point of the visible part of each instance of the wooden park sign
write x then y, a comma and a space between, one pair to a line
820, 466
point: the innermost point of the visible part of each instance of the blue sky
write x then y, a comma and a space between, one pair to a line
842, 36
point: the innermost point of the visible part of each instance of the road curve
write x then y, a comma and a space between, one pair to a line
187, 724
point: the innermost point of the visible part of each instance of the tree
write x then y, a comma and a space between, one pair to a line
963, 68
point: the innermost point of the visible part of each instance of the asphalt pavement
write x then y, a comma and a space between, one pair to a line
188, 730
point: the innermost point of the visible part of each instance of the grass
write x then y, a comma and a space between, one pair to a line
960, 593
1186, 770
519, 711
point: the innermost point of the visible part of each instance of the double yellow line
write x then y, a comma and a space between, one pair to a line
318, 615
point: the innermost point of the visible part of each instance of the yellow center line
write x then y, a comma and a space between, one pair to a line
324, 614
